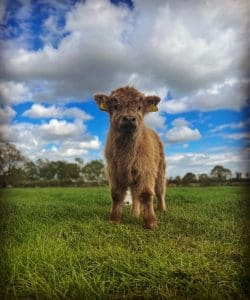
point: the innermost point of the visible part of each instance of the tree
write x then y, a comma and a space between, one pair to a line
177, 179
68, 171
238, 175
31, 170
94, 171
203, 178
79, 161
61, 170
220, 173
11, 160
189, 178
47, 169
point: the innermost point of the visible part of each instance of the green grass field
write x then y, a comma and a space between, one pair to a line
57, 244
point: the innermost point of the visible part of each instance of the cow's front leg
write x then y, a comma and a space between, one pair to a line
149, 214
117, 203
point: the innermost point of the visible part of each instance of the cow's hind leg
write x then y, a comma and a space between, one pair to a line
117, 203
136, 204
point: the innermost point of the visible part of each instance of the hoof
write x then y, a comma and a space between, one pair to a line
151, 226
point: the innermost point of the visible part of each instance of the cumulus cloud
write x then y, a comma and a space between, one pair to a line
53, 111
181, 132
158, 47
40, 111
12, 92
180, 122
58, 138
155, 120
60, 129
181, 163
228, 94
72, 149
6, 114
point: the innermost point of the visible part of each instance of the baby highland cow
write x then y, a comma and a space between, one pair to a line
134, 153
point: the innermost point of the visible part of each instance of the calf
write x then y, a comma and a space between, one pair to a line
134, 154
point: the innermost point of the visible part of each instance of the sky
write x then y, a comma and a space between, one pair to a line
55, 55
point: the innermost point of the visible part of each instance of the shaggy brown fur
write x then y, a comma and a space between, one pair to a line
134, 153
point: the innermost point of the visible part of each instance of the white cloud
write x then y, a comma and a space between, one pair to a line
239, 125
6, 114
228, 94
158, 47
53, 111
40, 111
180, 164
55, 129
77, 114
155, 121
52, 140
179, 122
52, 33
181, 132
237, 136
94, 144
14, 92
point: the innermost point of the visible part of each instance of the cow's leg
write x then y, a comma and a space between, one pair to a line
117, 202
160, 186
136, 204
149, 214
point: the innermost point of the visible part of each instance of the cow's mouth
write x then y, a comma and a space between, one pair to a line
128, 127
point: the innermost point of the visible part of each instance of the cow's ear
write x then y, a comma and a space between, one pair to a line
101, 100
151, 103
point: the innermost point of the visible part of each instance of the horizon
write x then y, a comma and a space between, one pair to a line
55, 56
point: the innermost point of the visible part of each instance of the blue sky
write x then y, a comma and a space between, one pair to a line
57, 54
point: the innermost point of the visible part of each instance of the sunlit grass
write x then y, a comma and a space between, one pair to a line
57, 243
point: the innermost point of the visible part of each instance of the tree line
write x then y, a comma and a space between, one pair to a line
17, 170
218, 175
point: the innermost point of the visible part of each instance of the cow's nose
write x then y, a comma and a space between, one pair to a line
129, 119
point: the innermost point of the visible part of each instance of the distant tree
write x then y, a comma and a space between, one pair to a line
70, 171
47, 169
11, 160
177, 179
238, 175
94, 171
220, 173
189, 178
31, 170
203, 178
79, 161
60, 170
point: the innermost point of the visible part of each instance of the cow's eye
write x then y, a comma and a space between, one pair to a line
115, 107
139, 108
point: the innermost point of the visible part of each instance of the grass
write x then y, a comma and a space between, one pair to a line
58, 244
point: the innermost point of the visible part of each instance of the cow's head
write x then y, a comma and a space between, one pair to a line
127, 107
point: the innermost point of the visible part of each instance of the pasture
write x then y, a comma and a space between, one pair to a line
56, 243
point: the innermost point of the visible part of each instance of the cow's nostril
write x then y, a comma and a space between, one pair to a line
129, 118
